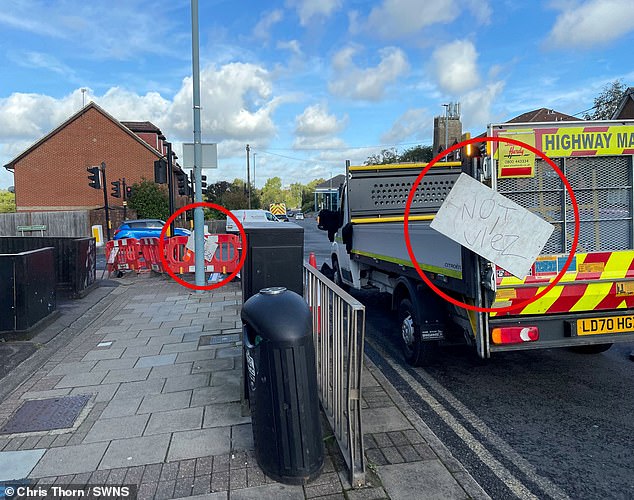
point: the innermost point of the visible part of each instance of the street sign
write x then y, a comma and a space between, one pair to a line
209, 155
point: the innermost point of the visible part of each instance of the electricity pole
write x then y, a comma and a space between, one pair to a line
248, 177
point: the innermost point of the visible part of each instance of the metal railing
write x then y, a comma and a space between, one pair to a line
338, 334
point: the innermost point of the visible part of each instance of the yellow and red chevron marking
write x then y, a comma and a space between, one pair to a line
589, 285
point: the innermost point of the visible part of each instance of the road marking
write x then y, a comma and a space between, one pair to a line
506, 476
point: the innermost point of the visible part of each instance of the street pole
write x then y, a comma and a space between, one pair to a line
125, 200
254, 168
248, 177
199, 216
446, 127
170, 185
105, 198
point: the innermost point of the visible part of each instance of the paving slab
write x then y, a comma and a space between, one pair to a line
384, 420
121, 407
103, 392
135, 451
175, 420
200, 443
168, 371
81, 379
99, 354
72, 367
213, 395
16, 465
132, 389
115, 364
186, 382
429, 479
224, 414
242, 437
180, 347
272, 491
158, 360
107, 429
66, 460
154, 403
126, 375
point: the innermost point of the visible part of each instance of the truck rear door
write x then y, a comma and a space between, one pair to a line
594, 301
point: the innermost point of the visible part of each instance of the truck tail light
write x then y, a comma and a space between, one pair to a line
514, 334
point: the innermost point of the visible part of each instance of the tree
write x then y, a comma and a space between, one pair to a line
232, 196
607, 101
308, 195
272, 192
383, 158
150, 200
418, 154
7, 202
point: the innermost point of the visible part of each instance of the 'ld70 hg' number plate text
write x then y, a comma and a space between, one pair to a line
598, 326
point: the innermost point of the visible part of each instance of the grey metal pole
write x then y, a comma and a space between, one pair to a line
199, 216
248, 176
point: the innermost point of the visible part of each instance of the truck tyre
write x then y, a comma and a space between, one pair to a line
416, 351
337, 275
591, 349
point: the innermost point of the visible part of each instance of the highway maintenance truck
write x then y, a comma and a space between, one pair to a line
590, 308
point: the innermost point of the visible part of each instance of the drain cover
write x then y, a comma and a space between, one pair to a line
218, 339
46, 414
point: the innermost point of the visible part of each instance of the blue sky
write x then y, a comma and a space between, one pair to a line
307, 83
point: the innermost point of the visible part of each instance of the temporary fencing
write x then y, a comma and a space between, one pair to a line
130, 254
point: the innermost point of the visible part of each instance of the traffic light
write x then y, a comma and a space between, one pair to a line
129, 192
116, 189
160, 171
204, 181
181, 182
94, 178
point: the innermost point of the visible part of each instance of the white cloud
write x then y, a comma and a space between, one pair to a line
397, 18
263, 28
476, 107
366, 83
236, 103
315, 121
291, 45
592, 22
414, 124
455, 66
308, 9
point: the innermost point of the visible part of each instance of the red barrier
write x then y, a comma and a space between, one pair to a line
151, 255
124, 255
224, 260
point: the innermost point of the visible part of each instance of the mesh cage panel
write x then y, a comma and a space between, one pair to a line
603, 189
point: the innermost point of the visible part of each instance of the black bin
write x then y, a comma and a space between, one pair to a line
275, 253
282, 380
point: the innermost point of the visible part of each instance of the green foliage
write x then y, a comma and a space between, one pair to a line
232, 196
418, 154
607, 101
272, 192
150, 200
7, 202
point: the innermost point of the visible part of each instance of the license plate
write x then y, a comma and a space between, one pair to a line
599, 326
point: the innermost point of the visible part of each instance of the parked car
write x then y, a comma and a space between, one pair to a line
247, 217
299, 216
145, 228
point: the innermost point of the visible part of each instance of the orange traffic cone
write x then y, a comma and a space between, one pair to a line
312, 260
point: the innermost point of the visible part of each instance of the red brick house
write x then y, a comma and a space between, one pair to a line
51, 174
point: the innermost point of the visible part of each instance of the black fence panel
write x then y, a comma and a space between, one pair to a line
30, 291
74, 258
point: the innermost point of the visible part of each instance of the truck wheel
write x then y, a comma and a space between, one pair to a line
591, 349
337, 275
417, 352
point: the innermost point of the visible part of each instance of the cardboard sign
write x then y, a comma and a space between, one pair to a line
492, 226
211, 245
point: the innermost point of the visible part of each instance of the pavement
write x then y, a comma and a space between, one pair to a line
152, 372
